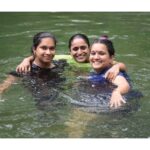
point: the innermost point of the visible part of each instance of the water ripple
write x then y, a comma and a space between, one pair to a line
63, 24
15, 34
124, 37
28, 33
99, 23
81, 21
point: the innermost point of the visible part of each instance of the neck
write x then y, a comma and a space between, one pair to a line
102, 69
42, 64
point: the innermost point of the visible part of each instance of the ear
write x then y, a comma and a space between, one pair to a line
34, 51
112, 57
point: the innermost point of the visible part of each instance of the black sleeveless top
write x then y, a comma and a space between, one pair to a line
44, 83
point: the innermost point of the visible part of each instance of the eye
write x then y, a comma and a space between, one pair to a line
75, 48
52, 48
83, 47
101, 53
92, 53
44, 47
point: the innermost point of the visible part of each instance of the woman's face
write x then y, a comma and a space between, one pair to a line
99, 57
45, 51
79, 50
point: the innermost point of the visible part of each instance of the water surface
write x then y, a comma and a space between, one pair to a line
19, 114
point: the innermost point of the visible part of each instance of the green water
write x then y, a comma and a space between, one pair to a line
19, 115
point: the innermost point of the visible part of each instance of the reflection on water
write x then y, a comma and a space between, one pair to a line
19, 114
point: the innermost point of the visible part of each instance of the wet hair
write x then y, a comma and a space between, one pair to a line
107, 42
38, 38
79, 36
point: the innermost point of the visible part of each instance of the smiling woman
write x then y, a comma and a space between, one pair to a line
43, 68
43, 49
79, 47
101, 59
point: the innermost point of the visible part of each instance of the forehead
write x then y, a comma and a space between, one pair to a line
78, 41
47, 40
99, 47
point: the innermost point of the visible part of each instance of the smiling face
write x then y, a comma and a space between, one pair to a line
100, 57
79, 50
44, 52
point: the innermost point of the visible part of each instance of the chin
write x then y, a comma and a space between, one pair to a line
47, 62
97, 68
80, 60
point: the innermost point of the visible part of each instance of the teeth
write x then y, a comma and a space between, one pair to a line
97, 62
80, 57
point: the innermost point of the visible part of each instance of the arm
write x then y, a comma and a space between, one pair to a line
25, 65
114, 70
122, 66
123, 87
7, 83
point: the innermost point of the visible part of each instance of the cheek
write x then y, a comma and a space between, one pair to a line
87, 51
105, 57
107, 60
53, 52
90, 58
73, 53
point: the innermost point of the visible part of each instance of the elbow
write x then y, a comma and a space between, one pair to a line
126, 89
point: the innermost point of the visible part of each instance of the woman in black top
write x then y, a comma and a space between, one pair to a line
45, 72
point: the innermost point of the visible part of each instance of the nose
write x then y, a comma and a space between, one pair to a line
48, 51
80, 51
96, 56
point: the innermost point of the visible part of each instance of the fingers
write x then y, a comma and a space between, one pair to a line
23, 69
117, 104
26, 69
123, 101
110, 76
20, 69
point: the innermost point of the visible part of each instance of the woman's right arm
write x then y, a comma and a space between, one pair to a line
7, 83
25, 65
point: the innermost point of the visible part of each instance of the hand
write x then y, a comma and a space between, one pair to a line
116, 99
24, 66
112, 73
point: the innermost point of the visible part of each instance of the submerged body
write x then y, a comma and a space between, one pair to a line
95, 97
44, 83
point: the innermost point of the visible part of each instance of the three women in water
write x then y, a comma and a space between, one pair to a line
100, 56
79, 47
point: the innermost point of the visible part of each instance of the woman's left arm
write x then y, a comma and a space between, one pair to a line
122, 88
